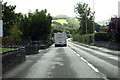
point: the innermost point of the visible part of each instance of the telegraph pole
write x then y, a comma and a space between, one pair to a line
93, 24
1, 21
1, 31
86, 20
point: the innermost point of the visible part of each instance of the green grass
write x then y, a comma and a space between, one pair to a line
61, 21
6, 49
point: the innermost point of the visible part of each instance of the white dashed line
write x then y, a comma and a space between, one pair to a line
91, 66
84, 59
73, 51
78, 55
95, 69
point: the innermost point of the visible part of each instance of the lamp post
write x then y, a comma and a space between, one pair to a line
93, 24
86, 21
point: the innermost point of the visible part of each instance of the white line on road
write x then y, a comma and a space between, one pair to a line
91, 66
73, 51
95, 69
78, 55
103, 76
84, 59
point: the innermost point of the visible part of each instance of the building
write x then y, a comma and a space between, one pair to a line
114, 29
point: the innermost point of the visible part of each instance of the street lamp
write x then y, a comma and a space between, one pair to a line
93, 24
86, 20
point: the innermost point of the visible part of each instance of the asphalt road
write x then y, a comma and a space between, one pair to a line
73, 61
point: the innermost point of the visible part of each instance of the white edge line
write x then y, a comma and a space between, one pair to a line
95, 69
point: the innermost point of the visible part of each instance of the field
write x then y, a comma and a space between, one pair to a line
6, 49
61, 21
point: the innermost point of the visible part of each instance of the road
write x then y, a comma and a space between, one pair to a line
73, 61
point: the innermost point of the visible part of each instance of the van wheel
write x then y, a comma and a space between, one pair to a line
65, 44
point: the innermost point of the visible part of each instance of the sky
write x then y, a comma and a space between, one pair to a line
104, 9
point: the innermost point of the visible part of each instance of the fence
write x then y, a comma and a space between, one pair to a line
12, 58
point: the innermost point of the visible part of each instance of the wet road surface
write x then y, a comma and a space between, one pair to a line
65, 62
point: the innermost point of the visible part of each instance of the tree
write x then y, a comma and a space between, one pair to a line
84, 15
37, 25
8, 17
15, 34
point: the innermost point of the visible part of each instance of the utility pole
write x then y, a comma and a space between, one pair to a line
1, 21
93, 24
86, 20
1, 31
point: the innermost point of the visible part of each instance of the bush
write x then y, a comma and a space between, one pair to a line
69, 35
76, 37
101, 36
86, 38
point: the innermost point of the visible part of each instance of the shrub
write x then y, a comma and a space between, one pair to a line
76, 37
86, 38
69, 35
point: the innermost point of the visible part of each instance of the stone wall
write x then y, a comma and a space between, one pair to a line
12, 58
114, 46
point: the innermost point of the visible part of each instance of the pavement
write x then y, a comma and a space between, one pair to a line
101, 49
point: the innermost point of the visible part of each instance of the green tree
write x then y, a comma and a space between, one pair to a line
84, 15
9, 17
15, 34
37, 25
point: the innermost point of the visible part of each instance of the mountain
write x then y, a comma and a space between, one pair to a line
103, 22
65, 21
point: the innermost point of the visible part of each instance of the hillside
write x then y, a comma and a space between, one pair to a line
65, 21
102, 22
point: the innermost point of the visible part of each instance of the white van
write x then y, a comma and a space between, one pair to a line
60, 39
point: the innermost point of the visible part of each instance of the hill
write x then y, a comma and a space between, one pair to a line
102, 22
65, 21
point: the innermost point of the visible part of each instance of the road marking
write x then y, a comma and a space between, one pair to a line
84, 59
73, 50
103, 76
95, 69
78, 55
91, 66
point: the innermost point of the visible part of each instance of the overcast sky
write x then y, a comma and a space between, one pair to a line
104, 9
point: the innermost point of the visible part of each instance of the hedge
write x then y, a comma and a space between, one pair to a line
88, 38
76, 37
101, 36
